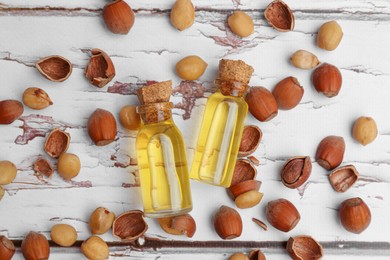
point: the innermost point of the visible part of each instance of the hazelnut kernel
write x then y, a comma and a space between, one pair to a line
304, 60
329, 36
364, 130
63, 234
95, 248
68, 165
36, 98
241, 24
248, 199
129, 118
191, 67
7, 172
238, 256
101, 220
182, 14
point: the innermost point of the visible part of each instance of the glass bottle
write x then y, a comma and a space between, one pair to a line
162, 162
222, 125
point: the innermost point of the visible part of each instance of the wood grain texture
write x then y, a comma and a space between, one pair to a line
34, 29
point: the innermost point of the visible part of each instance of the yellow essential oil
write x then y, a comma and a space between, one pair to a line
162, 162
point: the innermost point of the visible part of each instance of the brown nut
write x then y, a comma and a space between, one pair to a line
35, 246
296, 171
129, 118
36, 98
57, 142
242, 187
54, 68
7, 248
100, 69
288, 93
95, 248
262, 104
129, 226
42, 166
327, 80
241, 24
182, 14
2, 192
178, 225
256, 254
102, 127
101, 221
364, 130
7, 172
238, 256
282, 214
304, 60
248, 199
118, 17
260, 223
250, 140
304, 247
10, 110
244, 170
343, 178
68, 165
63, 235
355, 215
330, 152
280, 16
191, 67
329, 36
227, 223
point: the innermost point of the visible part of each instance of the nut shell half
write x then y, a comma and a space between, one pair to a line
280, 16
42, 166
129, 226
55, 68
304, 247
56, 143
178, 225
343, 178
244, 170
250, 140
296, 171
256, 254
100, 69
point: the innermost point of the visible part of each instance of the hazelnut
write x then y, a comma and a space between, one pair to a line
36, 98
280, 16
102, 127
100, 69
288, 93
304, 247
7, 248
364, 130
241, 24
182, 14
2, 192
63, 235
250, 140
329, 36
243, 187
54, 68
191, 67
227, 223
248, 199
282, 214
262, 104
304, 60
327, 80
118, 17
35, 246
343, 178
42, 166
95, 248
68, 165
7, 172
355, 216
129, 118
330, 152
256, 254
178, 225
244, 170
238, 256
57, 142
296, 171
129, 226
101, 221
10, 110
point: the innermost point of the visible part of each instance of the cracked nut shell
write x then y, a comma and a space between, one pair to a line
227, 223
250, 140
7, 248
236, 190
327, 80
129, 226
244, 170
355, 215
330, 152
35, 246
102, 127
282, 214
118, 17
100, 69
364, 130
304, 247
54, 68
42, 166
280, 16
57, 142
178, 225
343, 178
36, 98
256, 254
296, 171
261, 103
288, 93
10, 110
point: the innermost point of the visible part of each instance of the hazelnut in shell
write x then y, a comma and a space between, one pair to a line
10, 110
327, 80
101, 221
63, 235
54, 68
248, 199
250, 140
118, 17
95, 248
178, 225
228, 223
330, 152
355, 215
280, 16
57, 142
304, 247
35, 247
243, 170
261, 103
129, 226
68, 165
102, 127
7, 248
364, 130
288, 93
343, 178
296, 171
100, 69
282, 214
8, 172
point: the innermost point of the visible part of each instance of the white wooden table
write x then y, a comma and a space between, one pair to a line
34, 29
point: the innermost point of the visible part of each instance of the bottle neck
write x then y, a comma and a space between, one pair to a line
231, 88
155, 112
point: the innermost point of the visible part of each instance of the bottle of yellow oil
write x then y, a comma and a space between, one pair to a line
222, 125
162, 162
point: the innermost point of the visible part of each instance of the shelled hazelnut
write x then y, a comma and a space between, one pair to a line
364, 130
101, 220
329, 36
129, 118
95, 248
68, 165
36, 98
182, 14
63, 235
304, 60
241, 24
8, 172
191, 67
238, 256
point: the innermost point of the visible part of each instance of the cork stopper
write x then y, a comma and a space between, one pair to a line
155, 112
234, 76
158, 92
